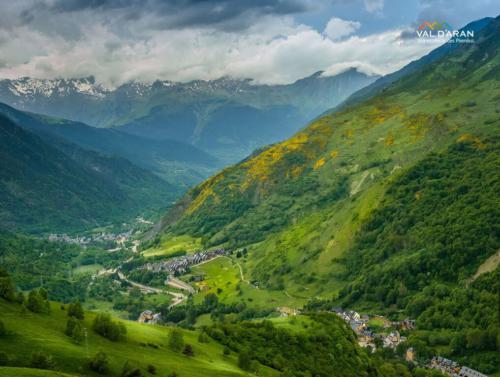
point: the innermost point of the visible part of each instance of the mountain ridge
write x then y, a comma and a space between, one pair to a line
163, 157
227, 118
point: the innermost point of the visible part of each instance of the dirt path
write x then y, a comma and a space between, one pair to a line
356, 185
241, 273
489, 265
178, 298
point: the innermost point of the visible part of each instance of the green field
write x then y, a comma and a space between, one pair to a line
87, 269
35, 332
222, 276
30, 372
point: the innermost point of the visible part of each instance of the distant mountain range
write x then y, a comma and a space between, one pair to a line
86, 176
176, 162
225, 117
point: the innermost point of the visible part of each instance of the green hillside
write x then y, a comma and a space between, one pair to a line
376, 201
439, 221
180, 164
215, 353
44, 189
144, 345
298, 204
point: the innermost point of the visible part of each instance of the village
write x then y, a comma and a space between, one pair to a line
180, 265
366, 337
452, 368
119, 238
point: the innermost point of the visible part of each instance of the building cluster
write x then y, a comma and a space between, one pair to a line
366, 337
180, 265
286, 311
77, 240
147, 316
453, 368
119, 238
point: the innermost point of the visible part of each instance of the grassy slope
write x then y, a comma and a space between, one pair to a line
169, 245
270, 197
224, 273
33, 332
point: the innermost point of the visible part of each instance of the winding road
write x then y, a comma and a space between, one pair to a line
178, 297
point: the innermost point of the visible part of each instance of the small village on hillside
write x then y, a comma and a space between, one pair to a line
368, 338
452, 368
180, 265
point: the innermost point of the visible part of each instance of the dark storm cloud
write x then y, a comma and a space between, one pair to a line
224, 14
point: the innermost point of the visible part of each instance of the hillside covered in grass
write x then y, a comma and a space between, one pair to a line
142, 346
298, 204
37, 337
388, 205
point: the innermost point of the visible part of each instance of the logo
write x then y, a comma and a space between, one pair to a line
439, 32
435, 26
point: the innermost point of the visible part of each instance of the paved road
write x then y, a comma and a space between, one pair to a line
179, 284
178, 297
142, 287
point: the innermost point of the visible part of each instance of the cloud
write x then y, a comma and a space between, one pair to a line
337, 28
373, 6
100, 40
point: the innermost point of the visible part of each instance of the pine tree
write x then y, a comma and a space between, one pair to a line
7, 288
77, 334
36, 303
244, 360
75, 310
176, 340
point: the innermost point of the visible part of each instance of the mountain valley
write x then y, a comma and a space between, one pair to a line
341, 225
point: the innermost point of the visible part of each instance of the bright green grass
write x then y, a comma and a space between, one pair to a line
172, 244
203, 320
298, 323
33, 332
158, 298
224, 274
104, 306
87, 269
29, 372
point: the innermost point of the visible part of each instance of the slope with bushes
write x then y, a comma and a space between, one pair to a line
31, 334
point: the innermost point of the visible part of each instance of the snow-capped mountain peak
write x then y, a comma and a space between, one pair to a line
28, 87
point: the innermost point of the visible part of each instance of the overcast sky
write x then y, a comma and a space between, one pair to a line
271, 41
